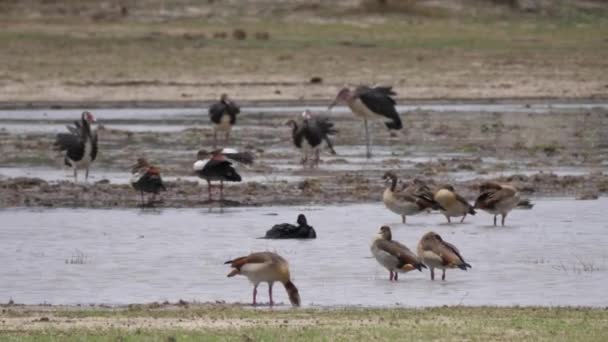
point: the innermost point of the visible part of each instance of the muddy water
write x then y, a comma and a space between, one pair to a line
552, 255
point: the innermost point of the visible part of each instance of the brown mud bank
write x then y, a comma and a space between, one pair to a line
345, 188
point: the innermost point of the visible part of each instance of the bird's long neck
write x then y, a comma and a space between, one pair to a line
85, 128
393, 183
292, 292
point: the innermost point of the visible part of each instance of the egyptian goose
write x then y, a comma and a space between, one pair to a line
371, 104
407, 202
454, 205
309, 135
394, 256
265, 267
223, 116
437, 253
497, 199
146, 178
80, 145
290, 231
214, 166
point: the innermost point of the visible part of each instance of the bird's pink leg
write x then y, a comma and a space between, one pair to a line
432, 273
396, 275
255, 293
209, 189
391, 276
270, 293
462, 220
503, 219
443, 275
221, 190
495, 220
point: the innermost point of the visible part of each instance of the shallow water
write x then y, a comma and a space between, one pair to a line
195, 113
552, 255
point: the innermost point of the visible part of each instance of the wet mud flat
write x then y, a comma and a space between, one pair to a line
338, 188
545, 151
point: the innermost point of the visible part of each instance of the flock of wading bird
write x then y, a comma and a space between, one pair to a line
308, 134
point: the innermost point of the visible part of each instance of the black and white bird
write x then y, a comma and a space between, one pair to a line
309, 134
371, 103
80, 145
215, 166
290, 231
146, 178
223, 116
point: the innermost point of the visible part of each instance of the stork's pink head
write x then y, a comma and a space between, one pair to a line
344, 95
306, 115
88, 117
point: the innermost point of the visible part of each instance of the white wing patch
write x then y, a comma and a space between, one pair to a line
137, 176
199, 165
229, 151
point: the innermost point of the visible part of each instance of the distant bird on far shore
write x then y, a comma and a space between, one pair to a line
309, 134
80, 145
223, 116
371, 104
146, 178
214, 166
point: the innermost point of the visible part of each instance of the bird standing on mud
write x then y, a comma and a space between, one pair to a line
394, 256
146, 178
497, 199
265, 267
80, 145
437, 253
214, 166
371, 104
310, 134
407, 202
223, 116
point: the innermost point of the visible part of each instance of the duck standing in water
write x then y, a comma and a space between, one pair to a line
290, 231
146, 178
394, 256
265, 267
497, 199
454, 205
407, 202
437, 253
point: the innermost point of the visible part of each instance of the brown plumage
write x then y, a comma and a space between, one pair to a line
394, 256
453, 203
410, 201
437, 253
497, 199
265, 267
